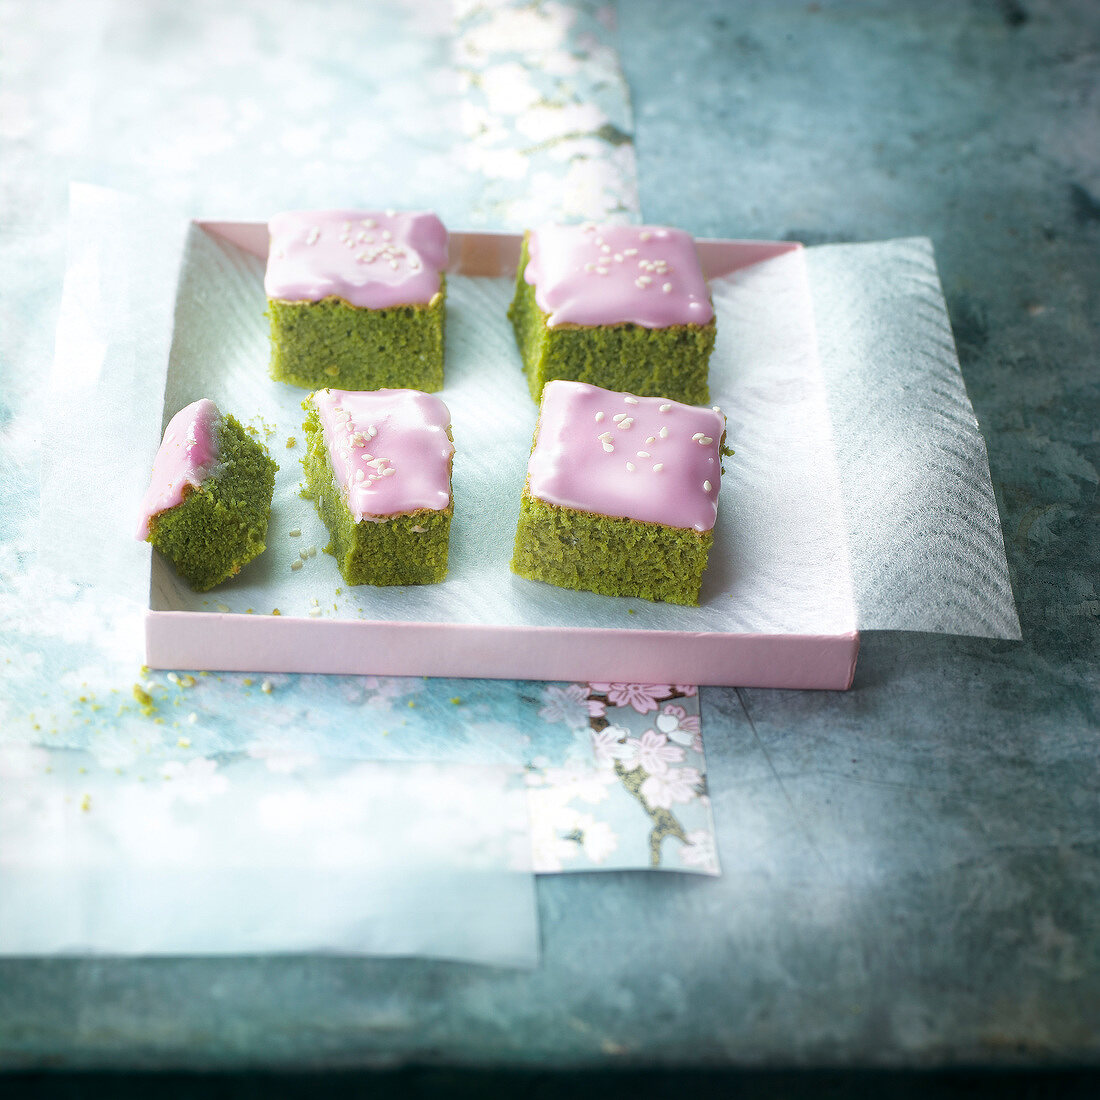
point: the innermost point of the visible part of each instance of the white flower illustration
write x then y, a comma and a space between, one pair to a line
674, 785
569, 704
652, 752
700, 851
608, 746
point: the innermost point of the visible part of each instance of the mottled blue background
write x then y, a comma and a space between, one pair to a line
911, 869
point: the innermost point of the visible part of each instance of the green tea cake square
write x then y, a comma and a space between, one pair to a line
378, 467
621, 494
209, 496
356, 299
623, 307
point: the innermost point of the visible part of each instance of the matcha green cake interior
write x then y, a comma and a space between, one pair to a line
332, 343
221, 525
608, 554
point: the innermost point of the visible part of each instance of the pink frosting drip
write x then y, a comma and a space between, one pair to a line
371, 260
614, 454
389, 449
614, 274
188, 455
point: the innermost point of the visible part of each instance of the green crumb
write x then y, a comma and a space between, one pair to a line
332, 343
291, 442
668, 362
608, 554
86, 803
275, 611
456, 700
148, 704
412, 703
409, 548
221, 525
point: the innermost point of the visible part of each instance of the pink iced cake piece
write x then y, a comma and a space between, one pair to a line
625, 307
621, 493
378, 466
356, 298
209, 495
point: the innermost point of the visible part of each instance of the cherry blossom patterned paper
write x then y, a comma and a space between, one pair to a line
545, 112
617, 779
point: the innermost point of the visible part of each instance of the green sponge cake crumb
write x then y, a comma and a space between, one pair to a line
332, 343
221, 525
608, 554
658, 362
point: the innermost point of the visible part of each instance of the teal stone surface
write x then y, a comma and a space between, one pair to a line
911, 869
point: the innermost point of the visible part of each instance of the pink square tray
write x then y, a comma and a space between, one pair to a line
265, 643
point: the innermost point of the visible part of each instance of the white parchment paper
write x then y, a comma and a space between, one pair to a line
243, 855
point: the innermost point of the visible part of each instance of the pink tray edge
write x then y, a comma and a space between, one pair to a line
263, 643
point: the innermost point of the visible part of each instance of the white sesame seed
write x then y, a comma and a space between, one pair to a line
716, 409
630, 401
303, 554
630, 252
192, 718
643, 454
626, 422
706, 441
696, 437
312, 551
388, 470
599, 417
663, 433
641, 282
658, 467
608, 448
296, 565
223, 608
645, 236
314, 233
667, 288
265, 687
314, 612
294, 532
173, 677
391, 212
630, 466
618, 257
605, 248
706, 486
589, 267
604, 437
601, 270
651, 439
618, 416
664, 408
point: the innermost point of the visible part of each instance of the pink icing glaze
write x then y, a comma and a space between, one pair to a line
614, 274
604, 452
371, 260
188, 455
389, 449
